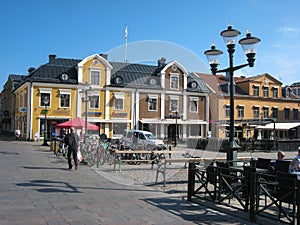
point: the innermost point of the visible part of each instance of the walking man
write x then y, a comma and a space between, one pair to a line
72, 142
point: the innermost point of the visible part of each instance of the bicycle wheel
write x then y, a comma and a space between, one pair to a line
101, 156
111, 159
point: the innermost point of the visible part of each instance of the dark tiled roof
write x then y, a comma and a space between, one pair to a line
15, 77
201, 85
133, 75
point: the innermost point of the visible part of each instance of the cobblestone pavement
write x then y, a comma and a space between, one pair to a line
36, 188
176, 173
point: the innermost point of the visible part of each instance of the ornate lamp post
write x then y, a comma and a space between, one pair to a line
249, 44
46, 102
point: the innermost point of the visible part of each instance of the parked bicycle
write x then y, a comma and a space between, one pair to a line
106, 152
88, 152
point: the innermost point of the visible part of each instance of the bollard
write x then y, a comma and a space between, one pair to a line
191, 181
170, 149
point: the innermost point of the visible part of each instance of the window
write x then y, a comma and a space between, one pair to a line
195, 130
64, 100
240, 111
288, 93
295, 91
287, 113
174, 104
275, 113
152, 103
119, 101
296, 114
256, 112
119, 104
95, 77
43, 96
266, 112
275, 92
194, 105
299, 91
227, 111
94, 102
266, 91
256, 91
174, 82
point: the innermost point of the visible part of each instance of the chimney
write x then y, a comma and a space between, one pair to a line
30, 70
161, 62
104, 56
52, 58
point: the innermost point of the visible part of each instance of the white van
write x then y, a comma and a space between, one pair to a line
144, 138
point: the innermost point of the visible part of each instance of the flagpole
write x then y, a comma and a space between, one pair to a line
126, 42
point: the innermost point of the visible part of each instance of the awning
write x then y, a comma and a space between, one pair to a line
278, 126
173, 121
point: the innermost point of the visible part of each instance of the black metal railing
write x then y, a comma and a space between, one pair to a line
243, 186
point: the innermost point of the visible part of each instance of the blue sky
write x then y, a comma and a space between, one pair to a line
177, 30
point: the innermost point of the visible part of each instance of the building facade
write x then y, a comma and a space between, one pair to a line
164, 98
258, 100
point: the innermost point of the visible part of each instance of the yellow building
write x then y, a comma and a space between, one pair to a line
113, 95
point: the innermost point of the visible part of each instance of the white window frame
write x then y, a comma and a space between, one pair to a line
91, 99
45, 92
119, 96
256, 90
174, 99
174, 84
64, 92
265, 91
227, 110
192, 101
150, 97
275, 90
256, 108
92, 77
241, 111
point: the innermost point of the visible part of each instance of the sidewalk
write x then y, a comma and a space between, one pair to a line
36, 188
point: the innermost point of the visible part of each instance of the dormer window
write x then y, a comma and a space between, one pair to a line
118, 80
288, 93
174, 82
95, 77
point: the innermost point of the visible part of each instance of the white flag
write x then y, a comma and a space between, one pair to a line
126, 32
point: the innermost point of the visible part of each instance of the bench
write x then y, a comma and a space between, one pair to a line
166, 153
162, 164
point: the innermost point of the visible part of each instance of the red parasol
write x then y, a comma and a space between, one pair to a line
77, 123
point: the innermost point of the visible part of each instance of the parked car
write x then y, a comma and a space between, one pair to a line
143, 138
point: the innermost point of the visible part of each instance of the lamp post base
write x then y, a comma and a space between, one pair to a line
232, 152
45, 143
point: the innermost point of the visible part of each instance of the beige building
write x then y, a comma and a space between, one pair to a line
259, 100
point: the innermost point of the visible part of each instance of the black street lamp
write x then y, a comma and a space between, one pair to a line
46, 102
249, 44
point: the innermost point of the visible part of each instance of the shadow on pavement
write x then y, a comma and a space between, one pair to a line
192, 212
50, 186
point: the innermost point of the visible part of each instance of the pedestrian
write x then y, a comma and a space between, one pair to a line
17, 134
295, 163
280, 157
72, 140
